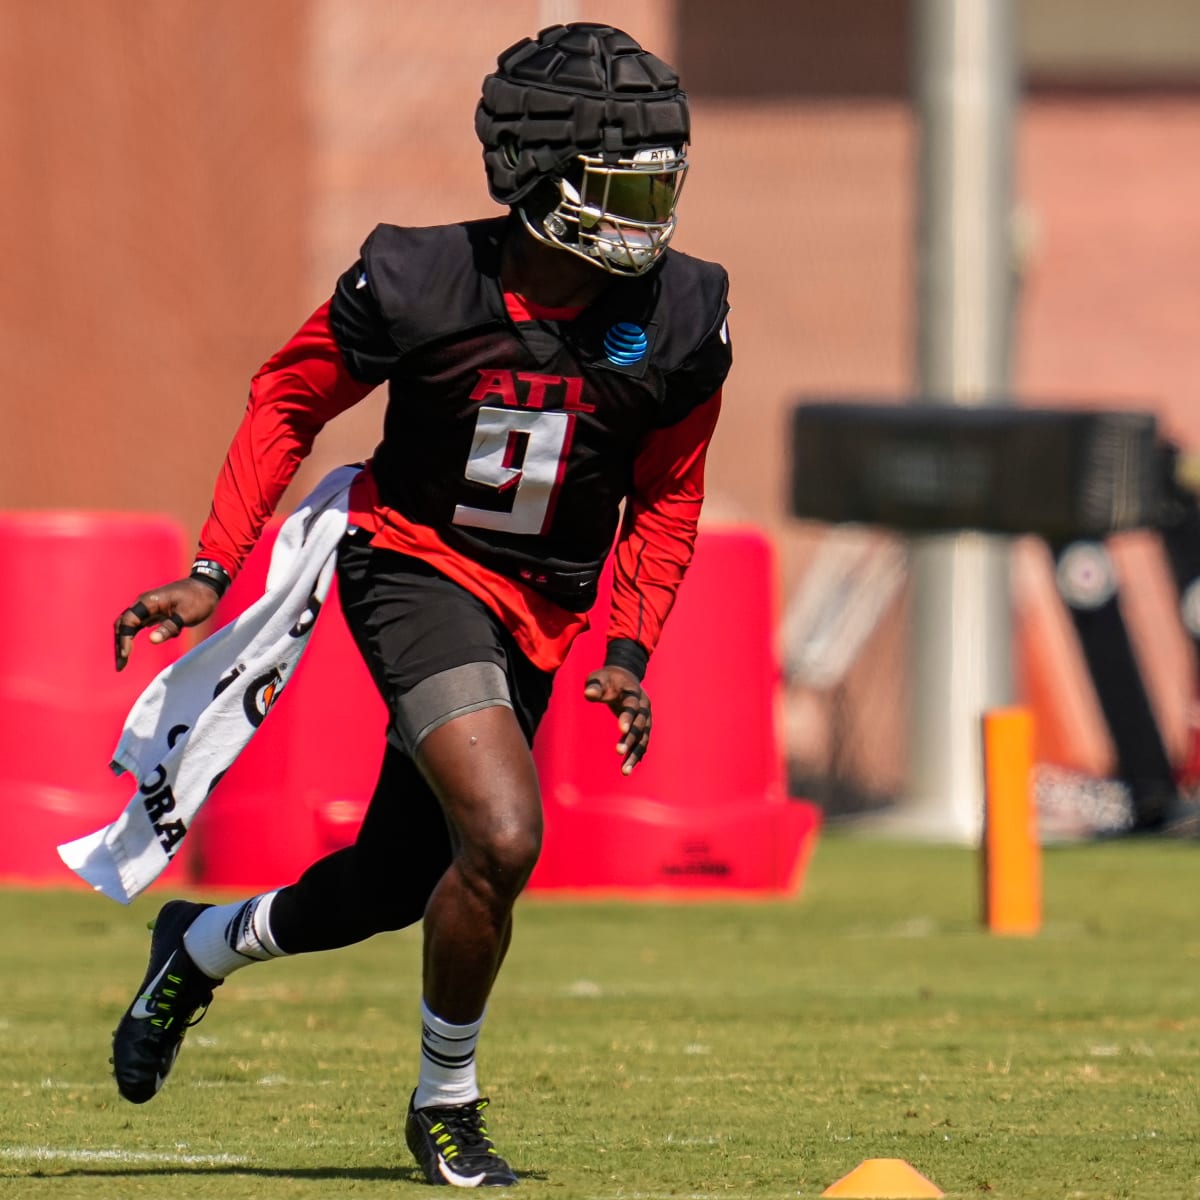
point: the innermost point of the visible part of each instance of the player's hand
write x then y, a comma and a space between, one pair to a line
166, 611
621, 691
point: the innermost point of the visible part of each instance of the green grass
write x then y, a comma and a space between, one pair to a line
692, 1050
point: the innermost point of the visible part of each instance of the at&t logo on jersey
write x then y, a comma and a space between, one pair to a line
625, 344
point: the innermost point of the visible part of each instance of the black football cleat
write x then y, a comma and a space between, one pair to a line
452, 1145
146, 1042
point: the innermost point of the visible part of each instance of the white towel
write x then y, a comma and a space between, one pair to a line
196, 717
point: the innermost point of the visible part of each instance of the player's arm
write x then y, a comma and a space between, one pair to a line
297, 391
658, 537
295, 394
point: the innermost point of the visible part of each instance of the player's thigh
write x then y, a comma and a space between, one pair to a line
481, 769
463, 700
429, 645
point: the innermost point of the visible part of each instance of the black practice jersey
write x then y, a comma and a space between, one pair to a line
516, 441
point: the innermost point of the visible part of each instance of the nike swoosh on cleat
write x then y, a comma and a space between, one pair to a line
459, 1180
139, 1011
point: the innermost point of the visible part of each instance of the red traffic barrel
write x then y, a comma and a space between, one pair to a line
67, 574
707, 808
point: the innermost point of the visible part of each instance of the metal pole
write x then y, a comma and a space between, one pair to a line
961, 628
557, 12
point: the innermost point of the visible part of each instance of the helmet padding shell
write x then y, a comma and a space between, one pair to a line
574, 90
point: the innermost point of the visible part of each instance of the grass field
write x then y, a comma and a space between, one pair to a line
639, 1051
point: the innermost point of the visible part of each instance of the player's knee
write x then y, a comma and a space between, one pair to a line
500, 861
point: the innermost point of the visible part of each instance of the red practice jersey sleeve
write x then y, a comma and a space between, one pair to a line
295, 393
658, 534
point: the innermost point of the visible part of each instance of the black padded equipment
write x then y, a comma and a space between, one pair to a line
1061, 473
574, 89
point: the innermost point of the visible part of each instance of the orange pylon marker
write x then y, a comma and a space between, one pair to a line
883, 1179
1012, 864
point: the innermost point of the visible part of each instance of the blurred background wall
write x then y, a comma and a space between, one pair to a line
184, 181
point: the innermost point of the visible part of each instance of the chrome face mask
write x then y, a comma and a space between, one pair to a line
618, 215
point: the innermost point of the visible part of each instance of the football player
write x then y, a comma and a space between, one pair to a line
554, 379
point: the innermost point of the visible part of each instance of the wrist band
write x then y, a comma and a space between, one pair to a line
625, 652
212, 573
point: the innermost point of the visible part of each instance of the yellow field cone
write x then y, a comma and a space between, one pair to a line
883, 1179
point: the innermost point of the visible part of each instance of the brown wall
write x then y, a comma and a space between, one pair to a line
1111, 186
154, 168
810, 48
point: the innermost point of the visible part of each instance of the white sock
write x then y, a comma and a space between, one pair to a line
227, 937
447, 1062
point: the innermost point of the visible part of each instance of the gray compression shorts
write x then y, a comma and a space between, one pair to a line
444, 696
434, 650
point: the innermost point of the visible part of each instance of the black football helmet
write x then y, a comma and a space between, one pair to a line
585, 135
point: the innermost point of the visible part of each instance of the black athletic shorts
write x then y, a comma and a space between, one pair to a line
434, 650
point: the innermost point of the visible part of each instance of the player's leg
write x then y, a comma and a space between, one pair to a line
381, 882
481, 769
464, 702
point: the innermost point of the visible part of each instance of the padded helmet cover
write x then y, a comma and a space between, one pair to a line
574, 89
